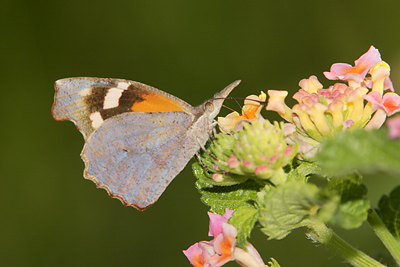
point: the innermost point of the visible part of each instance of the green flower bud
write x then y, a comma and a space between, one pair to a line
258, 151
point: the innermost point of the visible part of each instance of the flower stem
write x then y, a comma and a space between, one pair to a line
384, 235
324, 235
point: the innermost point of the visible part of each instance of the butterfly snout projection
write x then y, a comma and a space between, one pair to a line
137, 138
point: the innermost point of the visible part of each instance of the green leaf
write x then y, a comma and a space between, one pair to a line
351, 214
200, 174
353, 208
231, 197
244, 219
293, 205
303, 171
389, 211
365, 151
349, 187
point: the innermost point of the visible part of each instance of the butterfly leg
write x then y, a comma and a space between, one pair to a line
202, 163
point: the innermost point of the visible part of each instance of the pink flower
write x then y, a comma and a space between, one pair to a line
394, 127
222, 248
199, 253
390, 103
224, 245
216, 221
356, 75
344, 71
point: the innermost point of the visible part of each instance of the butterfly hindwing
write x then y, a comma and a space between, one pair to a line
134, 156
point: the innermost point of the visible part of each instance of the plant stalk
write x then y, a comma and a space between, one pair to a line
384, 235
324, 235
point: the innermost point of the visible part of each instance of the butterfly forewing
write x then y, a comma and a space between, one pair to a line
88, 102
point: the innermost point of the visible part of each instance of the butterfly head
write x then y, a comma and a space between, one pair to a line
213, 105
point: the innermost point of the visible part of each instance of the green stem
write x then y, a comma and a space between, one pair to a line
324, 235
384, 235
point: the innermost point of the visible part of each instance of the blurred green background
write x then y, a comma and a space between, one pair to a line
51, 216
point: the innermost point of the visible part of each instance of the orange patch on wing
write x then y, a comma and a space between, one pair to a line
156, 103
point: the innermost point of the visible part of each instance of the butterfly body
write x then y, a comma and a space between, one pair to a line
137, 138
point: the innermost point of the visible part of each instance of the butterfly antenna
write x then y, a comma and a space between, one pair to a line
237, 102
231, 109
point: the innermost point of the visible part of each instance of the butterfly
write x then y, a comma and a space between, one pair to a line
137, 138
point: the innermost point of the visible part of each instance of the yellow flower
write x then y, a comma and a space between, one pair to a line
250, 112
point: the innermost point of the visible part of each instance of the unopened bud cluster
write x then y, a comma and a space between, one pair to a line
258, 150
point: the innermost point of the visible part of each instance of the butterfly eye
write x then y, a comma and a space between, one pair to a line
209, 107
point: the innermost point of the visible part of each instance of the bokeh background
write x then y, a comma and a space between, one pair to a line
51, 216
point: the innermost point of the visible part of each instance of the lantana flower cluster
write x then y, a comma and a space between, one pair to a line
363, 101
222, 248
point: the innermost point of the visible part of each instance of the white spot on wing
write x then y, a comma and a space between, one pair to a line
112, 98
85, 92
123, 85
96, 119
